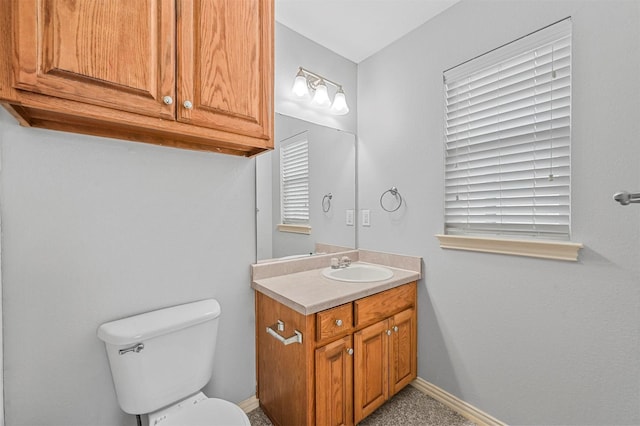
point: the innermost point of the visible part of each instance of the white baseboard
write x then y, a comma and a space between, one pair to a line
249, 405
456, 404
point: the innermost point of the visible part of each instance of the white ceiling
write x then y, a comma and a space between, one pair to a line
356, 29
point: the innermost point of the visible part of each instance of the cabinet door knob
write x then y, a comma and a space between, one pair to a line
187, 104
339, 322
350, 351
395, 328
388, 332
168, 100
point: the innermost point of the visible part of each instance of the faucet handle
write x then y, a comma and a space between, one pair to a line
335, 263
345, 261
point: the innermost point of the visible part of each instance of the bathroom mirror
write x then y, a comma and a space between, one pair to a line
332, 190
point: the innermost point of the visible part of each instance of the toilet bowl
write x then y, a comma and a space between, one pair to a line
199, 410
161, 360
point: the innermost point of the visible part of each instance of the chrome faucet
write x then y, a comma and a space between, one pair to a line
343, 262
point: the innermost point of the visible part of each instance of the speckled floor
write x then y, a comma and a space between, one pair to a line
409, 407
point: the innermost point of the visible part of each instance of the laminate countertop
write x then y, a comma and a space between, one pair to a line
308, 292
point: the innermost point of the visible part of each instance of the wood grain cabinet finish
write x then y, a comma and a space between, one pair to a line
334, 383
338, 375
196, 74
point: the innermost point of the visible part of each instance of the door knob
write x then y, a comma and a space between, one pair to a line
187, 104
168, 100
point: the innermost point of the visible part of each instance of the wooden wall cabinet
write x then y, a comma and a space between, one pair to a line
353, 358
196, 74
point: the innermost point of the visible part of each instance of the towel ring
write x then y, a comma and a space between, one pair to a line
393, 191
326, 201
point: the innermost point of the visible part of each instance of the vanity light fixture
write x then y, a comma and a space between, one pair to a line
308, 82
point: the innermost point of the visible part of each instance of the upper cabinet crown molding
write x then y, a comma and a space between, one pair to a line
195, 74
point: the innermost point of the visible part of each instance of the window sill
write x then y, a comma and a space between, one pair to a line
296, 229
557, 250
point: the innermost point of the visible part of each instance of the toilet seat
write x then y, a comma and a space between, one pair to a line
202, 412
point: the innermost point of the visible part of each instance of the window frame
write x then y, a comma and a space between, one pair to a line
492, 233
293, 216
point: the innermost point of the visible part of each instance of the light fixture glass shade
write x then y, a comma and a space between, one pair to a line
321, 97
300, 88
339, 106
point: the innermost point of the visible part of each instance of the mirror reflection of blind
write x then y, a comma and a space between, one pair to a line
507, 135
294, 174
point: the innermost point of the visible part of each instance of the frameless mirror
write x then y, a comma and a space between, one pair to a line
331, 191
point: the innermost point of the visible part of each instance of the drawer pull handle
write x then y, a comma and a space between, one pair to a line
296, 338
339, 322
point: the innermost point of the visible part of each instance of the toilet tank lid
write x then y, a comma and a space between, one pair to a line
139, 328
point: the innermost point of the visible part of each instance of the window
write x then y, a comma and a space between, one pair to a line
294, 181
508, 139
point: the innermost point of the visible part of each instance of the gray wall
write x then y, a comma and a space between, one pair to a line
528, 341
97, 229
293, 50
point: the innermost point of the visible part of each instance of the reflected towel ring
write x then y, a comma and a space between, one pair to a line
326, 201
394, 191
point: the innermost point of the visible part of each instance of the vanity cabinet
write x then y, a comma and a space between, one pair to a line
352, 358
196, 74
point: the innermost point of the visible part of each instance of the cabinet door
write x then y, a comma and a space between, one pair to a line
225, 65
403, 350
371, 346
109, 53
334, 383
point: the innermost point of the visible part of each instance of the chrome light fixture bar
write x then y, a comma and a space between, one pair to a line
307, 82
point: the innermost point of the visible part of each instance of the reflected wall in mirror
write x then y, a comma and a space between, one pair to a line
332, 163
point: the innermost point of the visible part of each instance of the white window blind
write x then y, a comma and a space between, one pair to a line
508, 139
294, 173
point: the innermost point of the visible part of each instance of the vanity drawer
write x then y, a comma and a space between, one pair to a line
382, 305
334, 321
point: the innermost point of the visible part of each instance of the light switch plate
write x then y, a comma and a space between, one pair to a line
349, 217
366, 217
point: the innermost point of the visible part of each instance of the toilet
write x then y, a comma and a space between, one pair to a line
161, 360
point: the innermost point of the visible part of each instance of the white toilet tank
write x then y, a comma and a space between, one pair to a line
160, 357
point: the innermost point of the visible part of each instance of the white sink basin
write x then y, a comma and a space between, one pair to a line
358, 273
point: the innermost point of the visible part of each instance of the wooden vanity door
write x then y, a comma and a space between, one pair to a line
403, 350
107, 53
334, 383
371, 346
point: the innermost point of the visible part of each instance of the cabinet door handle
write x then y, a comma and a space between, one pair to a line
168, 100
350, 351
388, 332
339, 322
395, 328
187, 104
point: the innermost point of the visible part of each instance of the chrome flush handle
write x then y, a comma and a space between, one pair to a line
135, 348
